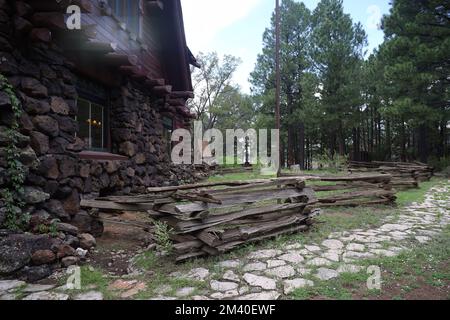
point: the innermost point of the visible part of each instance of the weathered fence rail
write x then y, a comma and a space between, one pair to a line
404, 174
351, 190
213, 218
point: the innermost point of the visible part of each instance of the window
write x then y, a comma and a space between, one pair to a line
91, 122
167, 132
128, 11
92, 115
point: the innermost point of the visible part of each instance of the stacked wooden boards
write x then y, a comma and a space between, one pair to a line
404, 174
214, 218
352, 190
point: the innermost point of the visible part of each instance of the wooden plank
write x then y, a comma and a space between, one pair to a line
275, 181
109, 205
215, 237
228, 201
211, 221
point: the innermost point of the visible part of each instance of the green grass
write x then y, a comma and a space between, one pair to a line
341, 219
409, 196
146, 260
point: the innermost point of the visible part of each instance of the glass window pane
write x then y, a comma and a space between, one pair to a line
96, 126
83, 119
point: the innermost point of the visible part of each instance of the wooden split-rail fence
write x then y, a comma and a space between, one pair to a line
352, 190
214, 218
405, 175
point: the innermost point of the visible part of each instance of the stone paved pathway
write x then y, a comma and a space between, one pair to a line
269, 274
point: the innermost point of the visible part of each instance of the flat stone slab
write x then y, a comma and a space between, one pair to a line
349, 268
292, 257
268, 295
231, 276
394, 227
260, 281
199, 274
294, 246
353, 255
319, 262
225, 295
223, 286
185, 292
326, 274
37, 288
313, 248
8, 297
46, 295
255, 266
303, 271
384, 253
291, 285
423, 239
275, 263
356, 247
333, 244
6, 285
331, 255
281, 272
90, 296
265, 254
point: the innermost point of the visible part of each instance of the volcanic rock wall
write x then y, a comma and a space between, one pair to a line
57, 177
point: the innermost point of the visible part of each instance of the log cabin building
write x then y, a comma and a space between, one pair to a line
99, 103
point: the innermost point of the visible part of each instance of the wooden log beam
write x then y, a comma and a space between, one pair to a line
130, 70
51, 20
182, 94
22, 26
176, 102
86, 6
49, 6
22, 9
99, 47
162, 90
154, 6
155, 82
41, 35
117, 59
141, 207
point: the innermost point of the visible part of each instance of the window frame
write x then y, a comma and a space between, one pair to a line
87, 90
105, 125
170, 130
124, 10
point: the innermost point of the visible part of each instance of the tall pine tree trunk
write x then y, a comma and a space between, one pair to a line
403, 141
422, 143
388, 141
301, 146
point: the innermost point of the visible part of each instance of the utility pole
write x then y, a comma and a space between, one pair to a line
278, 80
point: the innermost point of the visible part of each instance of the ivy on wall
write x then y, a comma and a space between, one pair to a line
11, 193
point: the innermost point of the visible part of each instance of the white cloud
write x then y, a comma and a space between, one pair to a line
204, 19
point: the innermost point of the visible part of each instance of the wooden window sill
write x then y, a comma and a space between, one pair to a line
96, 155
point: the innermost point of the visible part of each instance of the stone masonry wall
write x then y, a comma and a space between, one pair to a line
57, 178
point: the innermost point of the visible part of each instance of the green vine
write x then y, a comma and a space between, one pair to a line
13, 191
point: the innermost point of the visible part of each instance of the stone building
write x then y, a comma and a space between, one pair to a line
99, 102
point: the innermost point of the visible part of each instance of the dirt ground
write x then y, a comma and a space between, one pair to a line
118, 244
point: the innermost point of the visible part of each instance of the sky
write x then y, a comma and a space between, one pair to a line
236, 27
